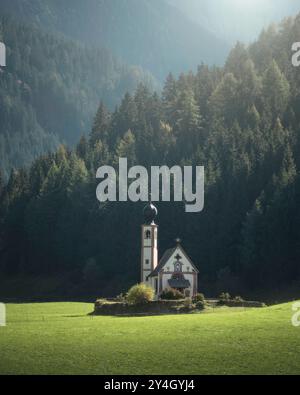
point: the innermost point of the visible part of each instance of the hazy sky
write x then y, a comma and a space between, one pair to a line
237, 19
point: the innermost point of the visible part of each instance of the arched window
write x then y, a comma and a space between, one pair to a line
147, 234
177, 267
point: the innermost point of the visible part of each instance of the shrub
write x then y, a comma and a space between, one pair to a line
171, 294
188, 303
140, 294
225, 297
199, 298
200, 305
238, 299
121, 298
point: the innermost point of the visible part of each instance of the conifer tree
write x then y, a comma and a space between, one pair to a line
126, 148
276, 90
100, 127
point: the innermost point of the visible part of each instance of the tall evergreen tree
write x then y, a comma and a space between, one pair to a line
276, 91
101, 124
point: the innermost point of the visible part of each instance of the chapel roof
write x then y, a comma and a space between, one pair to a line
166, 256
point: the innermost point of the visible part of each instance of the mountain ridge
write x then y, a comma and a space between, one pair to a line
152, 34
234, 20
50, 90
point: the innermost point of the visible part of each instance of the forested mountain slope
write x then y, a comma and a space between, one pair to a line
237, 20
51, 88
241, 121
149, 33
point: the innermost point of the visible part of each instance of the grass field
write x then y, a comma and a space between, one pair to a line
60, 338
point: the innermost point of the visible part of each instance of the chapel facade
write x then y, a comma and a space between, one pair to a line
175, 269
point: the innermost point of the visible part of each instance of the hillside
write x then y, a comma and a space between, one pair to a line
60, 338
241, 122
237, 20
148, 33
50, 90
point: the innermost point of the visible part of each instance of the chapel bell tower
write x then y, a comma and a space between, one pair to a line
149, 254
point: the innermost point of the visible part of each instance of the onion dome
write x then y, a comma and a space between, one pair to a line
150, 213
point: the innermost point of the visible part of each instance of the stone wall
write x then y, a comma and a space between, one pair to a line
155, 307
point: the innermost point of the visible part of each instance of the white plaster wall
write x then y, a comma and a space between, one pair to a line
165, 278
187, 269
147, 255
185, 262
155, 237
149, 252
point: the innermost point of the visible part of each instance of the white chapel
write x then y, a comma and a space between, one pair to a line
174, 270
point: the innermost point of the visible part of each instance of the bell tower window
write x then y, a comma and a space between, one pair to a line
148, 234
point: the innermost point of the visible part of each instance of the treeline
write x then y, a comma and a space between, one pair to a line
50, 90
241, 122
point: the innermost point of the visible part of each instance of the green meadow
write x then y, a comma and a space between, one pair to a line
61, 338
